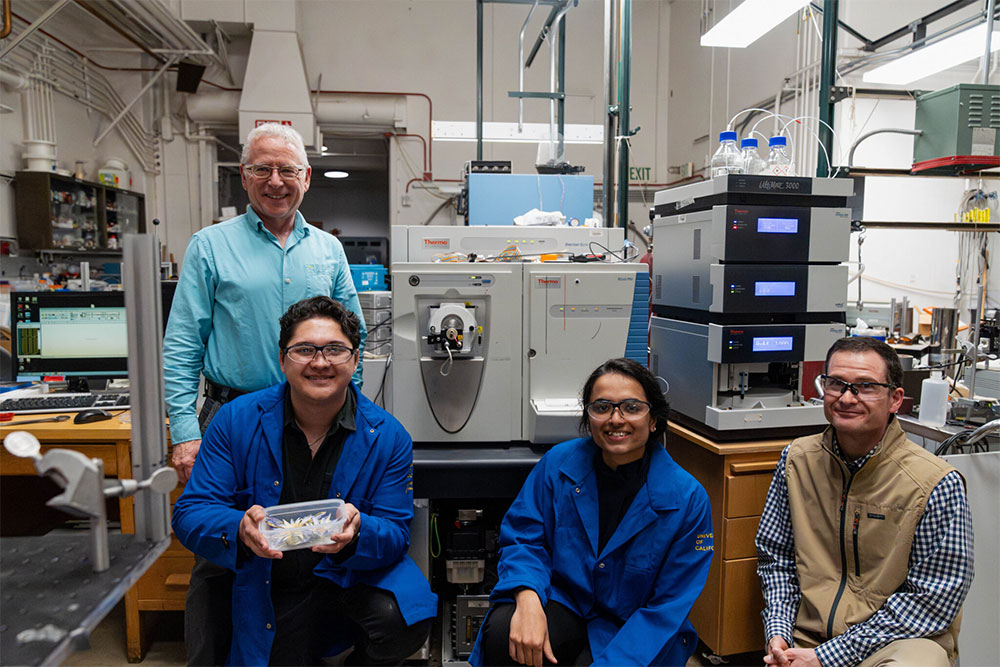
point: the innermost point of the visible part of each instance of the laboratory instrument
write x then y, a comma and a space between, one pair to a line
749, 293
500, 350
747, 377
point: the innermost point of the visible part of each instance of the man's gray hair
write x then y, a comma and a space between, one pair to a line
285, 133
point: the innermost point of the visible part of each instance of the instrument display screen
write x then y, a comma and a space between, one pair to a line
772, 343
778, 225
774, 288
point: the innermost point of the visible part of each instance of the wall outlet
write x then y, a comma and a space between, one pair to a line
406, 200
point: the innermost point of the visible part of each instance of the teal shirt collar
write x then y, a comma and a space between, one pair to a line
299, 230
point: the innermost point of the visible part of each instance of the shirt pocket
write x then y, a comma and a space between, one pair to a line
634, 589
319, 278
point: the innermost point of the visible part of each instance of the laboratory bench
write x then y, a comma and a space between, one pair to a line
110, 441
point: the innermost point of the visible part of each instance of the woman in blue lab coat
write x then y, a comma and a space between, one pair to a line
607, 545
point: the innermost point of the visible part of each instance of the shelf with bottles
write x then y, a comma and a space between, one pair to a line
122, 215
56, 212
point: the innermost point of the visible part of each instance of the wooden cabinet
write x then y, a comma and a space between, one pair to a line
57, 212
736, 476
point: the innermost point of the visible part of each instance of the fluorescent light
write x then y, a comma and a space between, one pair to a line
531, 133
336, 174
955, 50
749, 21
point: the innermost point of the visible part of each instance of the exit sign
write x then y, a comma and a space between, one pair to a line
639, 173
258, 123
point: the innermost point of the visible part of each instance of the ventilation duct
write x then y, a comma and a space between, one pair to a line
275, 88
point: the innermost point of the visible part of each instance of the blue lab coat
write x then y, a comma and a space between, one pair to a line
240, 464
635, 594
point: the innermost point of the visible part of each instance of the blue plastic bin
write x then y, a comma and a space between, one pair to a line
368, 277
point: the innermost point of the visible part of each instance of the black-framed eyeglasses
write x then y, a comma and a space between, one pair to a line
287, 172
630, 408
837, 387
304, 353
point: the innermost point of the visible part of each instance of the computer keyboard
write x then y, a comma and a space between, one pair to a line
64, 403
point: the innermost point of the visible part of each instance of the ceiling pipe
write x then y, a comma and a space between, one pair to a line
108, 22
6, 20
11, 80
35, 25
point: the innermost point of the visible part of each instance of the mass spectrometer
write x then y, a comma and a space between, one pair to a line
490, 352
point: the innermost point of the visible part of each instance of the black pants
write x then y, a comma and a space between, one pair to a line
208, 613
567, 635
208, 607
306, 620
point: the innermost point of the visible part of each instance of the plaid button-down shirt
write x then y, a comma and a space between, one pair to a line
940, 572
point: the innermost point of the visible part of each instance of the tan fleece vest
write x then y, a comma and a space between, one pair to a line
853, 534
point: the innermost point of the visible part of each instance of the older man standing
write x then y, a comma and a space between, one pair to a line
865, 543
238, 278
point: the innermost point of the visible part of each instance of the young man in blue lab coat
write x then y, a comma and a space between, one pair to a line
238, 277
313, 436
607, 545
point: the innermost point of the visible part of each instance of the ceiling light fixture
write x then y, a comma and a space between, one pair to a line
949, 52
749, 21
336, 174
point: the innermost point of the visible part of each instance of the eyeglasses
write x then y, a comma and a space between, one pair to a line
287, 172
630, 408
304, 353
837, 387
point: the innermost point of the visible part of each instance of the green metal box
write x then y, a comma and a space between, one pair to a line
960, 120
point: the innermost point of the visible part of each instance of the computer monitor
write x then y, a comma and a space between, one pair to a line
71, 336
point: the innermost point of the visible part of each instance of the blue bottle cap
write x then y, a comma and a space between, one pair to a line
777, 141
728, 135
752, 143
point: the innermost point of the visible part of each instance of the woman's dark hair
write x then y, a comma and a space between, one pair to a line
659, 407
319, 306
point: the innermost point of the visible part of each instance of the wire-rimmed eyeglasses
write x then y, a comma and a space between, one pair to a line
630, 408
304, 353
287, 172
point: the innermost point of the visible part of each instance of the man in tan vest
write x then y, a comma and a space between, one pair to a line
865, 544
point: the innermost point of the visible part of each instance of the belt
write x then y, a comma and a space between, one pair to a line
221, 393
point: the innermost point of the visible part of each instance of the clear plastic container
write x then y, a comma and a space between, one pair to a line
727, 159
779, 162
302, 525
934, 400
753, 163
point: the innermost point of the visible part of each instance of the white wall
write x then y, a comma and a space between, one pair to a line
682, 96
76, 128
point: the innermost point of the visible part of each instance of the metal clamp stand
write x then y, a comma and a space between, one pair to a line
84, 487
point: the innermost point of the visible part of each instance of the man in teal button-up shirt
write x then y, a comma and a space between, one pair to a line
238, 277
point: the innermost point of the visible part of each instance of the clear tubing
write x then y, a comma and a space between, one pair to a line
743, 111
784, 131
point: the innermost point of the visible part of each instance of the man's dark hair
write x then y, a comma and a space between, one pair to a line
659, 407
319, 306
862, 344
